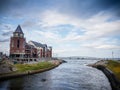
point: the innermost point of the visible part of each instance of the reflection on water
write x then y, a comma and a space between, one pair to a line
74, 75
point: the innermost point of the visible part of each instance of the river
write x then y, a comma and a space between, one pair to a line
73, 75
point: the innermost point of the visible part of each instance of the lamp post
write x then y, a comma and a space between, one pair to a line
112, 55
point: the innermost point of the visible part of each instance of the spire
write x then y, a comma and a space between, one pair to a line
18, 29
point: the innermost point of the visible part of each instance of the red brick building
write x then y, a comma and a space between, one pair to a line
19, 48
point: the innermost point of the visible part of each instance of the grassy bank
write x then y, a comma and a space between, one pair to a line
114, 66
31, 67
27, 69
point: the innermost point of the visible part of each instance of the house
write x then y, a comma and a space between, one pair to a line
42, 49
20, 49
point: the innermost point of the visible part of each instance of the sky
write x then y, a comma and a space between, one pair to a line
72, 27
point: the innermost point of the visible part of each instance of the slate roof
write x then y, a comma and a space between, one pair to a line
29, 45
44, 45
37, 44
18, 29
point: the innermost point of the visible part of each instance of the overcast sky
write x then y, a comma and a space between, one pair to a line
71, 27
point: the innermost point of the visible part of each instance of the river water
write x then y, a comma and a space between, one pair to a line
73, 75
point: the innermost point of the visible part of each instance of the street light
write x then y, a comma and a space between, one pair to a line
112, 55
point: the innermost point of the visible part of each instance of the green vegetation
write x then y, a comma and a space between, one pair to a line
25, 69
114, 66
30, 67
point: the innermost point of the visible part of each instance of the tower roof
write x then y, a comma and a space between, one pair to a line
19, 30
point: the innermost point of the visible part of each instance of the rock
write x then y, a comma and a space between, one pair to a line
63, 61
13, 69
43, 80
6, 66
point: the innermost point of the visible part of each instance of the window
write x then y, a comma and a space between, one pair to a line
12, 43
18, 43
16, 34
23, 51
23, 44
21, 35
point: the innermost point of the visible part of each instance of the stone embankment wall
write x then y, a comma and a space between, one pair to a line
115, 83
101, 65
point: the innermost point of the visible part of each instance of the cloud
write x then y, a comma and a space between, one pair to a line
5, 27
108, 47
7, 33
4, 40
65, 50
3, 4
53, 18
86, 8
28, 23
75, 8
101, 45
97, 26
48, 34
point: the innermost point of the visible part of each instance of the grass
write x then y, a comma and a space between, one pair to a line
30, 67
114, 66
23, 68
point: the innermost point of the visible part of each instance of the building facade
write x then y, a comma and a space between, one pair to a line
19, 48
1, 55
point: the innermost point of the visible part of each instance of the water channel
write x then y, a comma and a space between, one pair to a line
73, 75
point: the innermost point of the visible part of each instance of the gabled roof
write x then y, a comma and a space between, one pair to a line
29, 46
36, 44
44, 45
18, 30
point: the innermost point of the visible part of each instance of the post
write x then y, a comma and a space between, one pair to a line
112, 55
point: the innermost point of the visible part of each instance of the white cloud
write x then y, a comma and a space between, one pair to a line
94, 27
101, 46
97, 31
53, 18
48, 34
108, 47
